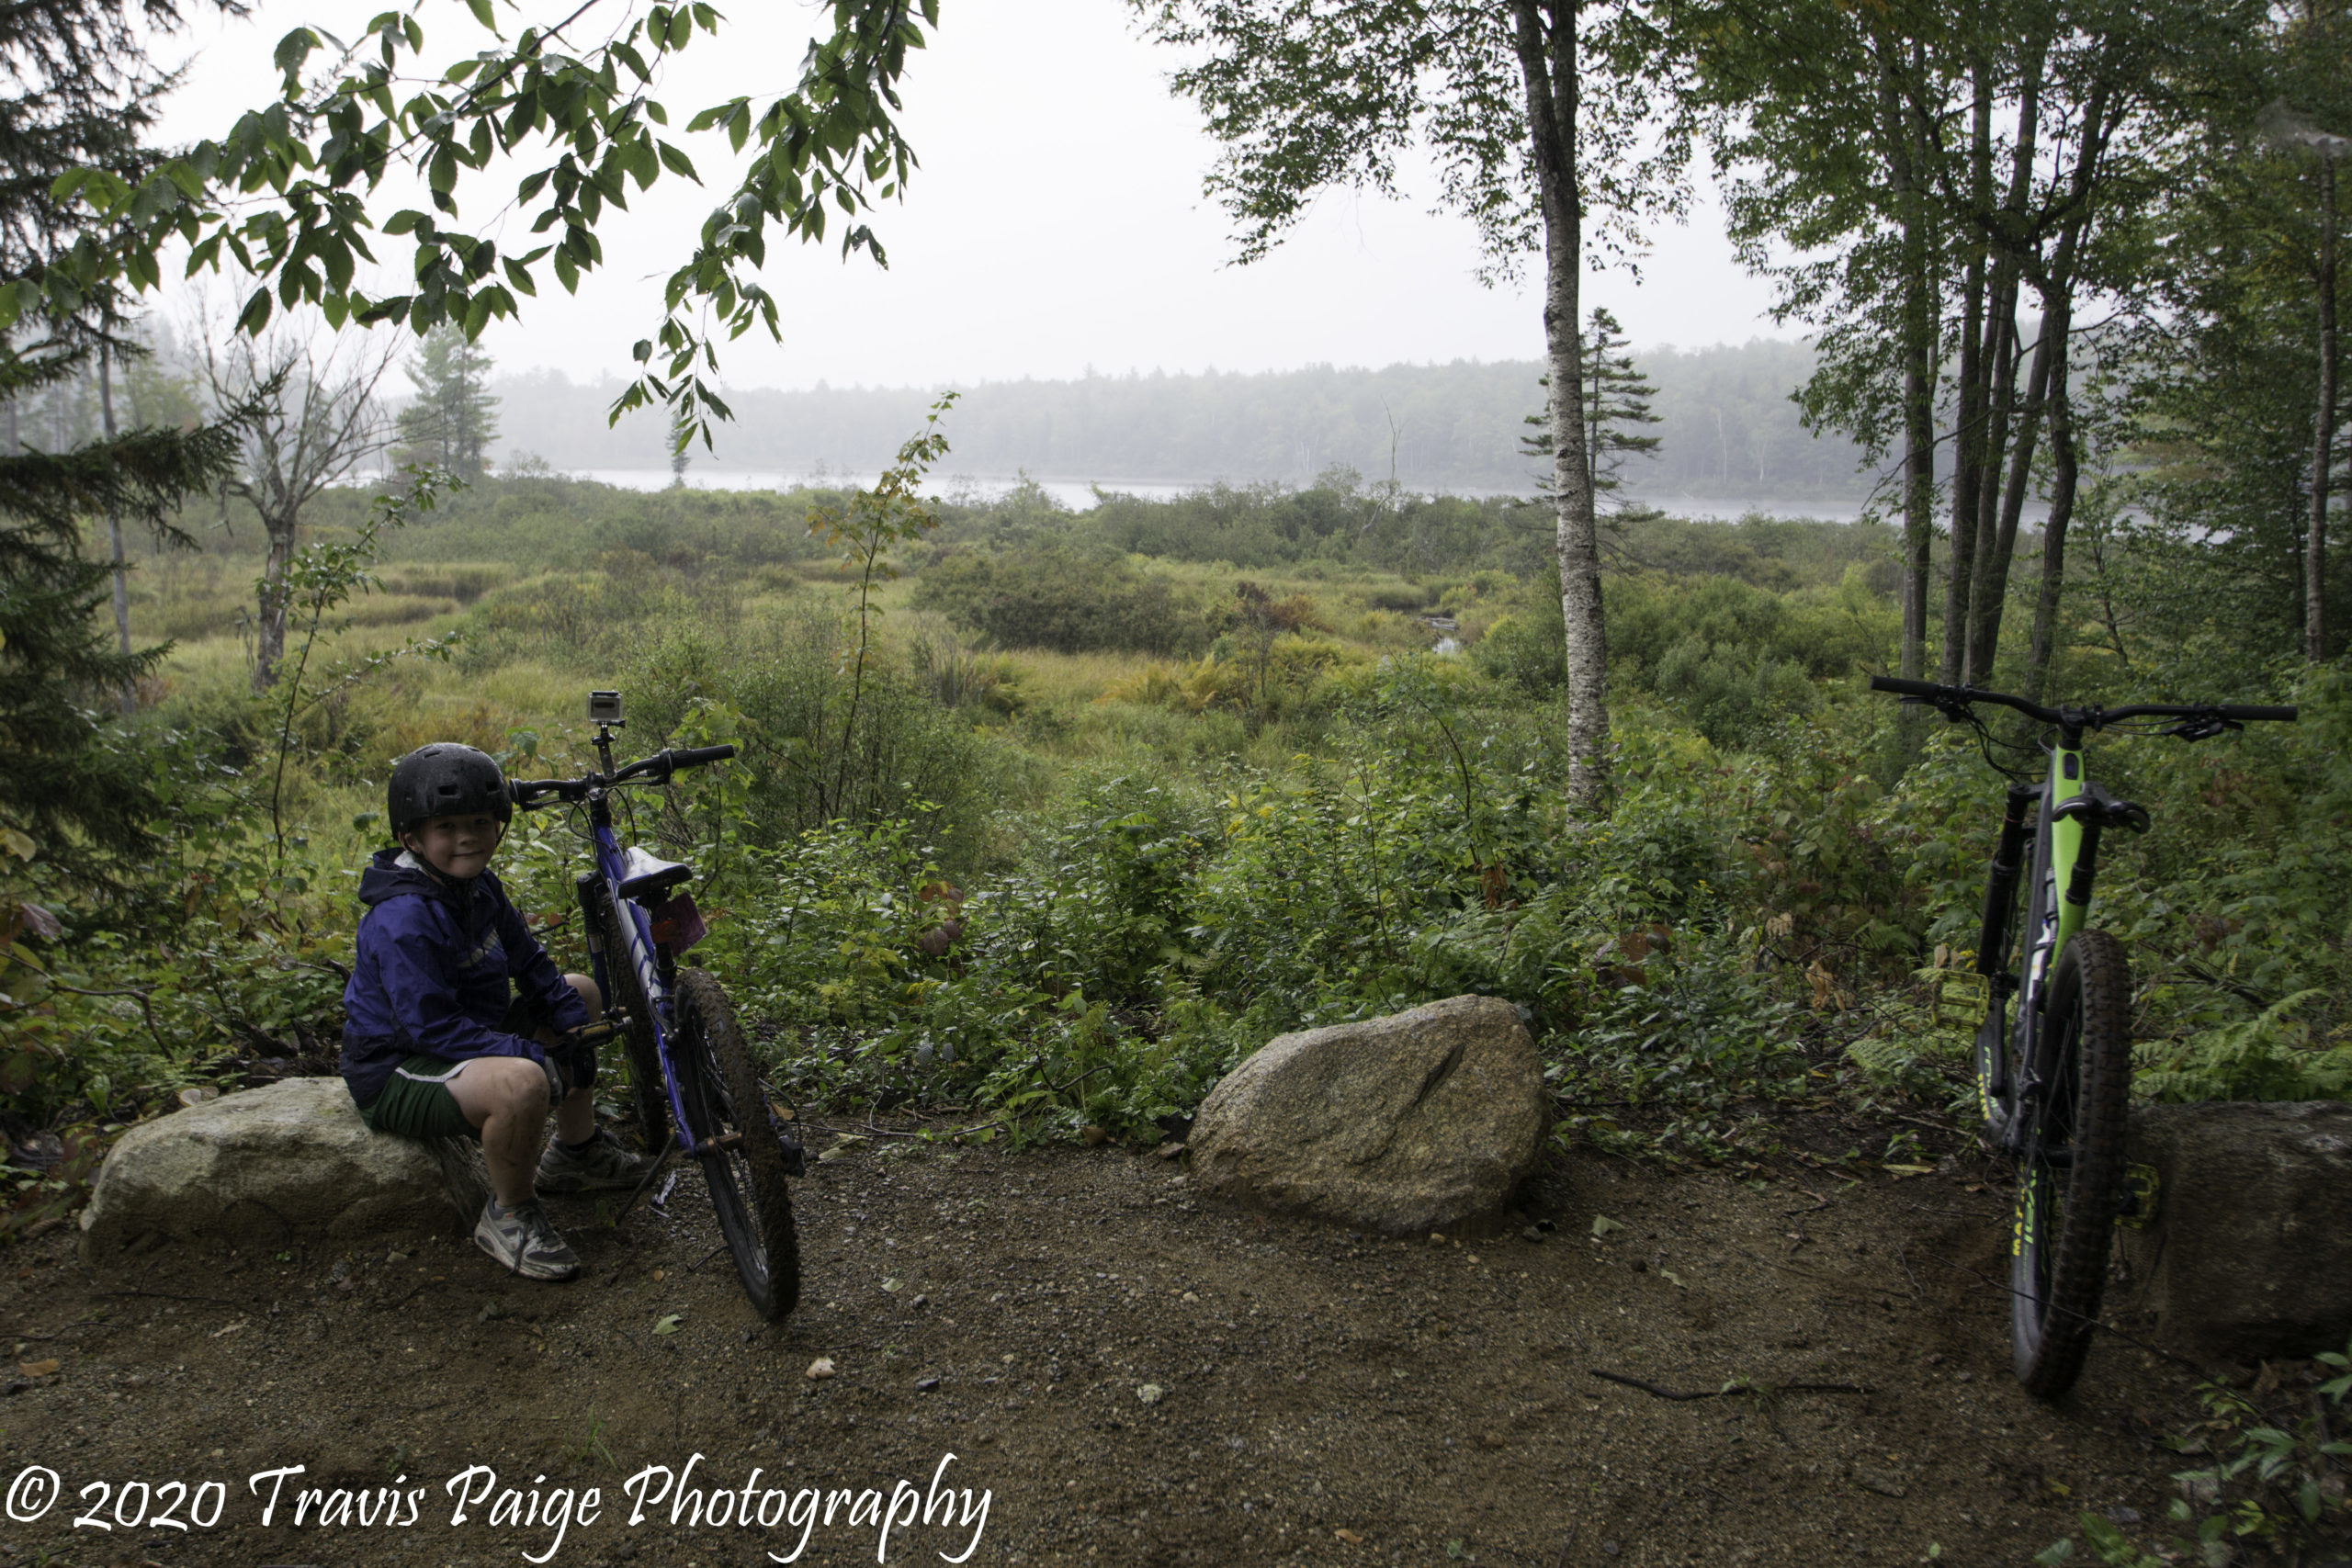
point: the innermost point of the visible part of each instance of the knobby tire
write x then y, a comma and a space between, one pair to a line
2070, 1175
747, 1181
649, 1098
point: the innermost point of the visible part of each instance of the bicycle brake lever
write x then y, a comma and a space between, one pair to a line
2203, 727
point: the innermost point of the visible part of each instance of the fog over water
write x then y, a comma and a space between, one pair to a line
1079, 495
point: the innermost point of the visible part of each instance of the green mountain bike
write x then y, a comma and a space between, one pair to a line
2054, 1080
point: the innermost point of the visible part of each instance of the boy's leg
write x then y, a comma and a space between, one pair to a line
507, 1099
575, 1119
580, 1158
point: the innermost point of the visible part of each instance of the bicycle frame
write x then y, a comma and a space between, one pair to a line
2068, 1049
645, 957
2065, 869
652, 963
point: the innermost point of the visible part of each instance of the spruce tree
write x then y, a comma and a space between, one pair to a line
454, 418
1616, 405
78, 90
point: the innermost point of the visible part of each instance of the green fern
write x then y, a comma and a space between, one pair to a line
2271, 1057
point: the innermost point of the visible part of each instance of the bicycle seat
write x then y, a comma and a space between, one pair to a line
644, 879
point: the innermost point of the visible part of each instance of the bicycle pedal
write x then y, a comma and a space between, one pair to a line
2140, 1185
1960, 998
796, 1159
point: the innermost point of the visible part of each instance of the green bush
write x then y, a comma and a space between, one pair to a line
1066, 599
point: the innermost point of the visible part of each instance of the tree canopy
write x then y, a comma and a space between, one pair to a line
285, 193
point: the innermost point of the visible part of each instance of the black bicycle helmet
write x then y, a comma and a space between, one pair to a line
445, 780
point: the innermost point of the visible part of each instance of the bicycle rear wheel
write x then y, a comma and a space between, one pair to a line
2070, 1174
745, 1172
649, 1099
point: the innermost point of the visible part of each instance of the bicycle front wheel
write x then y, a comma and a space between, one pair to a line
743, 1161
2070, 1178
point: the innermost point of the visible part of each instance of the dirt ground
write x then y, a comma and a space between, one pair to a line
1127, 1375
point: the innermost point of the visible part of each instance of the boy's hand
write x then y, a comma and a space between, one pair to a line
556, 1087
575, 1058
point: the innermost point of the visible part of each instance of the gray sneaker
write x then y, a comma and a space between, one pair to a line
603, 1163
526, 1241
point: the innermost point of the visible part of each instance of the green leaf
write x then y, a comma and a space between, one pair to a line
668, 1325
293, 50
256, 315
480, 8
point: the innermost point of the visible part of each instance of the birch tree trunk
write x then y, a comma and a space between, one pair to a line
126, 698
269, 629
1545, 35
1975, 368
1918, 386
2057, 291
1996, 530
1989, 595
2323, 428
2057, 322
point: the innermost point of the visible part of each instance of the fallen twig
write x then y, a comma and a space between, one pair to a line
706, 1258
170, 1296
1819, 1203
1905, 1262
1738, 1386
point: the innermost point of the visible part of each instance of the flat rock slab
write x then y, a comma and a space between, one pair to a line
291, 1159
2248, 1250
1418, 1121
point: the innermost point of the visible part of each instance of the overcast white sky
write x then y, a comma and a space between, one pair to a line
1057, 223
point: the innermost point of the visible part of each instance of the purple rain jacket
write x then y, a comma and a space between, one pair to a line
432, 972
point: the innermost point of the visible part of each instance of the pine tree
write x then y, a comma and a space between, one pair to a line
455, 417
78, 91
71, 784
1616, 404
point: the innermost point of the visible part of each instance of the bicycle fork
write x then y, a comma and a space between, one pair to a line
1993, 950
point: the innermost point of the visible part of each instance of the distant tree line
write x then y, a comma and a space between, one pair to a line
1727, 426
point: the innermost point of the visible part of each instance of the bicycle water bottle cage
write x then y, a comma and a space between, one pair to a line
645, 880
2094, 804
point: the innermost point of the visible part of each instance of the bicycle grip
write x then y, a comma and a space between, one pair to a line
696, 756
2253, 711
1907, 688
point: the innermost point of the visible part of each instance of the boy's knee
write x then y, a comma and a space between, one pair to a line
500, 1087
586, 986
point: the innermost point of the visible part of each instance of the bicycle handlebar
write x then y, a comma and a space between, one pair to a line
529, 793
2091, 717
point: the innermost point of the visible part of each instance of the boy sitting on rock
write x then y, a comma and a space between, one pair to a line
436, 1045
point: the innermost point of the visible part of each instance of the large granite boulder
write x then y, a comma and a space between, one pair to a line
271, 1163
2247, 1251
1418, 1121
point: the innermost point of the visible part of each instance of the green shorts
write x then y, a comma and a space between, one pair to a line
416, 1102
